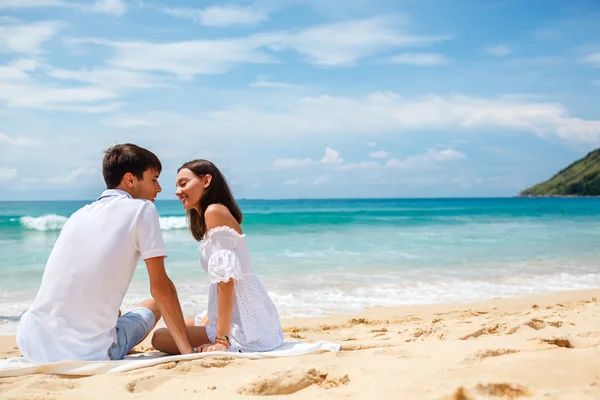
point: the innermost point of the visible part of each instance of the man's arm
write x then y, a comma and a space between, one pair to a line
164, 293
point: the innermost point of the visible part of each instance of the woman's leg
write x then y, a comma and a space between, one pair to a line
163, 341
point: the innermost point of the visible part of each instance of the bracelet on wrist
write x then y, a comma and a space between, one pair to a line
224, 340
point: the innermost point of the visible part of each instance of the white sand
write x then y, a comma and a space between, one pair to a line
533, 347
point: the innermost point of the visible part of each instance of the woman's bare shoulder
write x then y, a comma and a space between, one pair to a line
219, 215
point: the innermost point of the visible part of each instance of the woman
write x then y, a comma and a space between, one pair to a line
241, 316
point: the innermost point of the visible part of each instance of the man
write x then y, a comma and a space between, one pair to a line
75, 315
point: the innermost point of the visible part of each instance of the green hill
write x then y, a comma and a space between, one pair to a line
582, 178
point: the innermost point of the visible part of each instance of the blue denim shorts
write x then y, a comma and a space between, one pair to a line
132, 327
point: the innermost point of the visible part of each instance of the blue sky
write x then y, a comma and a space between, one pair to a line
300, 98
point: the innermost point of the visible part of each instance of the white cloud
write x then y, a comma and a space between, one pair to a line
343, 44
17, 70
379, 154
419, 59
291, 182
272, 84
293, 162
29, 95
221, 16
113, 7
386, 112
15, 4
185, 59
592, 59
18, 141
331, 157
7, 173
431, 159
498, 51
26, 38
372, 144
321, 180
17, 89
365, 165
338, 44
111, 78
72, 176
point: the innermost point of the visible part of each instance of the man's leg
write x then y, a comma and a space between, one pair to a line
133, 327
150, 304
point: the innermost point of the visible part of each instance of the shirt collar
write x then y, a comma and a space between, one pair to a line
114, 192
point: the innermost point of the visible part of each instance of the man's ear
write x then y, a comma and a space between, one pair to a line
128, 179
207, 180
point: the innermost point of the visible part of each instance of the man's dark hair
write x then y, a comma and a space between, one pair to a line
123, 158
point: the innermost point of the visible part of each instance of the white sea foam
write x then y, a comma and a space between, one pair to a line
53, 222
306, 297
170, 223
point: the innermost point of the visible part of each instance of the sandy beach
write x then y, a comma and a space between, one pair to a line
530, 347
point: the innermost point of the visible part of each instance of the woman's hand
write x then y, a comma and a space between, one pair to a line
205, 348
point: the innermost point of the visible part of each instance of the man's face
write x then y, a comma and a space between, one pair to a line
148, 187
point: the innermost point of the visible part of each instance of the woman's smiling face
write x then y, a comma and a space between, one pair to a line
190, 188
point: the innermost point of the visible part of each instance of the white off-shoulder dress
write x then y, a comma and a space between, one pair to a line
255, 324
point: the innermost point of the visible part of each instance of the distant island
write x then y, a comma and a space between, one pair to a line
582, 178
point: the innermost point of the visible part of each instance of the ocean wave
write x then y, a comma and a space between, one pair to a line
304, 298
170, 223
53, 222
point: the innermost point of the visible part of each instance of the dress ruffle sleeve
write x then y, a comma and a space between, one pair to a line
223, 263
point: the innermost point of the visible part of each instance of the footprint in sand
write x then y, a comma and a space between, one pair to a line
536, 324
508, 391
294, 329
504, 390
471, 313
202, 364
146, 383
423, 332
380, 330
493, 329
481, 354
288, 382
53, 385
560, 342
297, 336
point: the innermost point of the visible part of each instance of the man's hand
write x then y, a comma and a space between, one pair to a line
205, 348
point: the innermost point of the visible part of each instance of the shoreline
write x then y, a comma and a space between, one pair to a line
540, 346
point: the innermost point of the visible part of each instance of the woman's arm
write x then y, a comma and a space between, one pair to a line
225, 305
218, 215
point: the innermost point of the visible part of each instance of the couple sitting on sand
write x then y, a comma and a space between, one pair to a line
76, 314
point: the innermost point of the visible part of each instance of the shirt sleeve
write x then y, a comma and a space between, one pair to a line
223, 263
149, 236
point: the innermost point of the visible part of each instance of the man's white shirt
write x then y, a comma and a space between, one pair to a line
86, 277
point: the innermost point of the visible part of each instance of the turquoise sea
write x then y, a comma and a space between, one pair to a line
335, 256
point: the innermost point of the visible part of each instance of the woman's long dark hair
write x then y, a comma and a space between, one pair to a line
217, 192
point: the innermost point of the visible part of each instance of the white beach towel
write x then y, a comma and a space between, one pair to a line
19, 366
